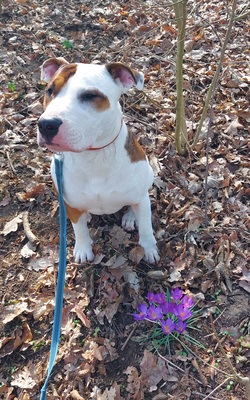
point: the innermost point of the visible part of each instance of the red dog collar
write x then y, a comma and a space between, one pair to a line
106, 145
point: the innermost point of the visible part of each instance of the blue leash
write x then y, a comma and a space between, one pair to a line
61, 277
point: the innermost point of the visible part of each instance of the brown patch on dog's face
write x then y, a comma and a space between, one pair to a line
60, 78
101, 103
134, 149
95, 97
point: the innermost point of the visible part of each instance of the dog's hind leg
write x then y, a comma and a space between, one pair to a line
129, 220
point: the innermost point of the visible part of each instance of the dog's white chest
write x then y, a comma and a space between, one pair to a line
114, 187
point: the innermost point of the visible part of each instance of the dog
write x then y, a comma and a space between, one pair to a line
104, 166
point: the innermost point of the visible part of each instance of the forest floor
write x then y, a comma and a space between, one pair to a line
104, 353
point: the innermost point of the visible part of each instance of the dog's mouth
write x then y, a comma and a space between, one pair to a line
54, 147
59, 147
42, 142
56, 143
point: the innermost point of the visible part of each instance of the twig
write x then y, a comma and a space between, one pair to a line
242, 15
212, 88
176, 366
215, 389
203, 395
10, 163
128, 338
201, 375
26, 227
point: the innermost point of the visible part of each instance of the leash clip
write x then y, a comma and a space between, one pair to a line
59, 155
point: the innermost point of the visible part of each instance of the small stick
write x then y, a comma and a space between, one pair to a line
202, 376
204, 396
29, 234
128, 338
10, 162
215, 389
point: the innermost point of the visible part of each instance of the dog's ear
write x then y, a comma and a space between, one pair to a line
50, 67
125, 76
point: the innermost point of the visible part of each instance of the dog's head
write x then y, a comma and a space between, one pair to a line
82, 103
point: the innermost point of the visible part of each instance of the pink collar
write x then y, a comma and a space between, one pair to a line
106, 145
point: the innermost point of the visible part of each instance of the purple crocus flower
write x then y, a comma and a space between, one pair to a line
167, 326
187, 301
160, 298
154, 313
167, 307
181, 312
151, 297
180, 326
176, 294
142, 308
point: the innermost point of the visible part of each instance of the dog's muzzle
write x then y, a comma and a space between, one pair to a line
49, 128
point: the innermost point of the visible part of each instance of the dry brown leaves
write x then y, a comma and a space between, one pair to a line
99, 355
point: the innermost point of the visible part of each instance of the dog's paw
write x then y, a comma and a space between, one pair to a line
151, 255
128, 220
82, 254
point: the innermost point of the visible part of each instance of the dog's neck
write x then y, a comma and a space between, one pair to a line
109, 143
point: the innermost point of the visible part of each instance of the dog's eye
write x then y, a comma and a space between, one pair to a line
88, 96
50, 91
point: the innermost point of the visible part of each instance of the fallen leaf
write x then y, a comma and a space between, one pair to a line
82, 316
111, 349
9, 344
136, 254
153, 370
14, 310
233, 127
27, 250
175, 276
23, 379
131, 277
134, 383
76, 396
12, 225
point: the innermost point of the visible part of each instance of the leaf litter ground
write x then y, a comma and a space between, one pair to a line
102, 355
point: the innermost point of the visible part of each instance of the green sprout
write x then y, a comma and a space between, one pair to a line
11, 86
37, 345
12, 370
229, 385
67, 44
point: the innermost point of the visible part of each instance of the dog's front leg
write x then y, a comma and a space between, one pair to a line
83, 244
142, 212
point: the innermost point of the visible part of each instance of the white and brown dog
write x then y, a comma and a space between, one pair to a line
104, 167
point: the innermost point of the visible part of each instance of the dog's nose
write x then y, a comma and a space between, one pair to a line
49, 127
